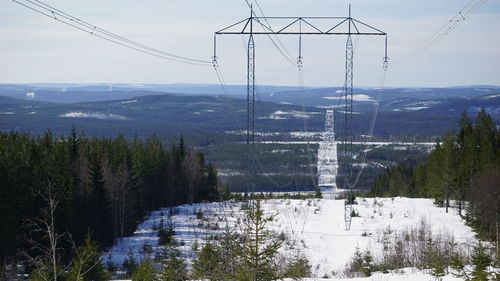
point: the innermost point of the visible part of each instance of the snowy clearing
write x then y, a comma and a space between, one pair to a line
129, 101
355, 97
314, 227
94, 115
282, 115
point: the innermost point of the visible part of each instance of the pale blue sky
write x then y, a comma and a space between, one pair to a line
34, 48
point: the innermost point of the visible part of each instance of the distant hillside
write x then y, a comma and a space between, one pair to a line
403, 112
148, 115
68, 93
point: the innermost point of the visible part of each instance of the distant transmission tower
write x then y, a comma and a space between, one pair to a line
301, 26
327, 155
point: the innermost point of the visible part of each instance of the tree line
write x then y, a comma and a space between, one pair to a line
103, 186
464, 167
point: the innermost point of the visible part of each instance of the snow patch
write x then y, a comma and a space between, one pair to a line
482, 90
280, 151
415, 108
331, 106
491, 96
94, 115
356, 97
128, 101
282, 115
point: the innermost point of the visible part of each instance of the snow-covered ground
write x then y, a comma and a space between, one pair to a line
94, 115
406, 274
355, 97
315, 226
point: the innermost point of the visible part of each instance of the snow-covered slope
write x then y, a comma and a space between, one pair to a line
315, 225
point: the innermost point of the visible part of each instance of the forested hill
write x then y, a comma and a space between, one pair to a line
465, 166
102, 187
167, 114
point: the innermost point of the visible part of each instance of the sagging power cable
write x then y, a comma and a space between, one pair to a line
470, 8
86, 27
282, 50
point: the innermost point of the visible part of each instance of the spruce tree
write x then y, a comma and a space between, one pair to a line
438, 266
99, 210
87, 265
145, 271
259, 247
208, 265
174, 265
481, 261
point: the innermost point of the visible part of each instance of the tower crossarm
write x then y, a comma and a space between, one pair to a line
316, 26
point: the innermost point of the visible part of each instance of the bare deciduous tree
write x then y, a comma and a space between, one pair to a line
46, 255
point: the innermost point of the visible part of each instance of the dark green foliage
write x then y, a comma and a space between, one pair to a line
438, 265
354, 213
99, 217
318, 193
482, 265
209, 264
464, 166
259, 248
361, 263
129, 265
104, 186
351, 199
298, 268
174, 266
166, 234
87, 264
145, 271
481, 261
458, 263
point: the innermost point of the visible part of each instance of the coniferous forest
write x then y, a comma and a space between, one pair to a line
89, 190
464, 168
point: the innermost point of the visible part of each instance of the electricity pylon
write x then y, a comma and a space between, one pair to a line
302, 26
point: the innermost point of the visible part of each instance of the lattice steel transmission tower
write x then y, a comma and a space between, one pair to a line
274, 26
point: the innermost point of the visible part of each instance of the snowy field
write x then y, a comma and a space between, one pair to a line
314, 227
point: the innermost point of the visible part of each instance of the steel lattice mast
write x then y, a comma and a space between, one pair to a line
337, 26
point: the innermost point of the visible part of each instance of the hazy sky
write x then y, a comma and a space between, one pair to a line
34, 48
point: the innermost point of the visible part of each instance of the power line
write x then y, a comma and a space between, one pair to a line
282, 50
268, 24
86, 27
470, 8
